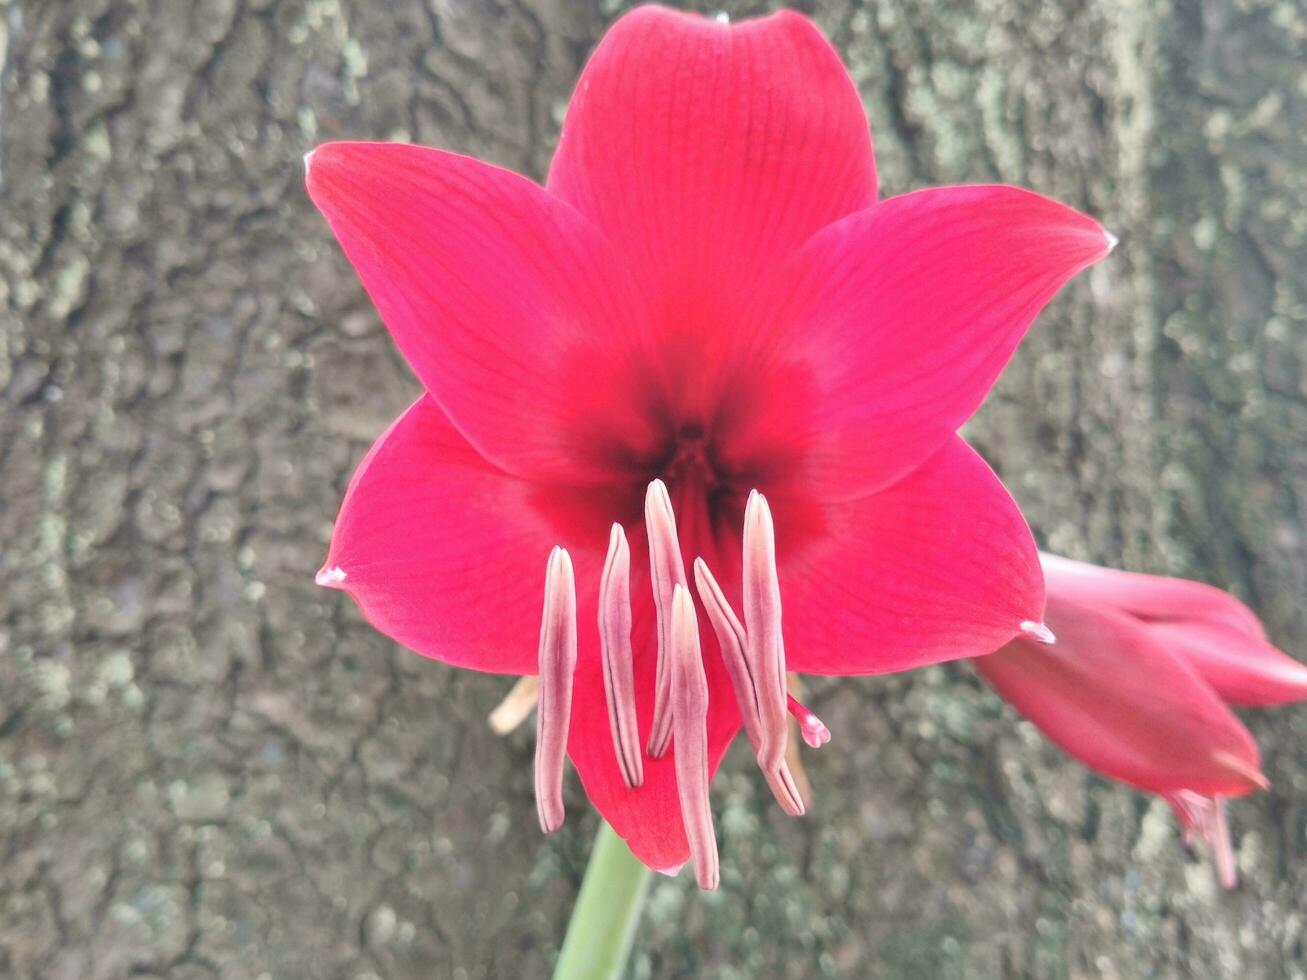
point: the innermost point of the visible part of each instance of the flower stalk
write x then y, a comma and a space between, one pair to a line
606, 913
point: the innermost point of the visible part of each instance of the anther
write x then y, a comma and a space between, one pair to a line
732, 640
615, 648
689, 709
815, 733
762, 625
666, 572
557, 665
518, 703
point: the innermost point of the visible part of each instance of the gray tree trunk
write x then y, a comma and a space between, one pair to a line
210, 768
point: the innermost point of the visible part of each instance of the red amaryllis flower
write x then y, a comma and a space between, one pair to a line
704, 300
1137, 685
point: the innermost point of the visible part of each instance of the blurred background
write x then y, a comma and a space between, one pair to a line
210, 768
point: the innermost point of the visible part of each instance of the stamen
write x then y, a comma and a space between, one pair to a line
666, 571
557, 665
615, 648
733, 642
1218, 840
1204, 821
815, 733
689, 709
762, 624
1037, 632
519, 702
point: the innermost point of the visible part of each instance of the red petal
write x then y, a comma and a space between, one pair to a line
708, 151
1155, 598
890, 326
938, 566
442, 551
1243, 670
506, 302
1113, 697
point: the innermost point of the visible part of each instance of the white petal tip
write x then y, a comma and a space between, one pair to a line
1112, 240
1245, 770
308, 161
330, 578
673, 871
1037, 632
722, 17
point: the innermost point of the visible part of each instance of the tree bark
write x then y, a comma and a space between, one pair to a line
211, 768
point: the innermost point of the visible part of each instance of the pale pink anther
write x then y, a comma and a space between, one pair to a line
557, 664
1204, 820
666, 572
615, 649
516, 706
814, 730
733, 642
689, 710
762, 625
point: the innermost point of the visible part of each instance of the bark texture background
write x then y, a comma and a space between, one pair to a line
210, 768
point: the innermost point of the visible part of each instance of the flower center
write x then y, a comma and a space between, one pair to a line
706, 495
691, 459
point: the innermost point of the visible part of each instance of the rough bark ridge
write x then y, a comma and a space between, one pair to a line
209, 768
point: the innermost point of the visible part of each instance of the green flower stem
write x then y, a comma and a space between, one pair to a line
606, 914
